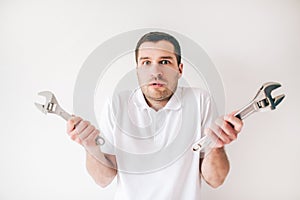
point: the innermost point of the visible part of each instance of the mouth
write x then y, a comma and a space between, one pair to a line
157, 84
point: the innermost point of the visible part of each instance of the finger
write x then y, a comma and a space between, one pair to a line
75, 137
216, 141
86, 132
71, 123
227, 128
78, 140
220, 133
76, 119
90, 140
81, 126
236, 122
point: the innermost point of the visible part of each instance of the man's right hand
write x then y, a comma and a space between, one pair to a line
102, 167
82, 132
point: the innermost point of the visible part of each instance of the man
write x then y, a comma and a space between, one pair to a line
158, 58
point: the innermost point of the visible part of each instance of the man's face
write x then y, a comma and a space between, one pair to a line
157, 70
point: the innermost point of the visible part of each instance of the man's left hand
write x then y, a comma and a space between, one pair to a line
224, 130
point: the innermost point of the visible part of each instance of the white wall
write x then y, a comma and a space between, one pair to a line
44, 43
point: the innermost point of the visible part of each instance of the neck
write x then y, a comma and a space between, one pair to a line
156, 104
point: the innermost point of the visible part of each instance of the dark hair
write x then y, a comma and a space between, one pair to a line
158, 36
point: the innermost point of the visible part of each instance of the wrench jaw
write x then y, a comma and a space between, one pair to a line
50, 106
41, 108
264, 99
269, 87
278, 99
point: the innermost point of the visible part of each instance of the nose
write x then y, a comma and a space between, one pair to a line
156, 71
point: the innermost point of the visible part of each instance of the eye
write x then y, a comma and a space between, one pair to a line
165, 62
146, 62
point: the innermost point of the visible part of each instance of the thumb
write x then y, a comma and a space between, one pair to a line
70, 124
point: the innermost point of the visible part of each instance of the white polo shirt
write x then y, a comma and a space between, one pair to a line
154, 149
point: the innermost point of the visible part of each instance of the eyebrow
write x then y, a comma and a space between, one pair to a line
162, 57
143, 58
167, 57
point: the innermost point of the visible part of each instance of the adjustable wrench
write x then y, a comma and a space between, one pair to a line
262, 101
52, 106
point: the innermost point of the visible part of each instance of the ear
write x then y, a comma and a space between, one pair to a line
180, 68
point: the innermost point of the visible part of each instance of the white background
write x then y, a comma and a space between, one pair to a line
44, 43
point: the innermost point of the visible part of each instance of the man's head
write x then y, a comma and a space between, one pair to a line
159, 36
158, 58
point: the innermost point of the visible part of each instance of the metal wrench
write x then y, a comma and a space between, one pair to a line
52, 106
262, 101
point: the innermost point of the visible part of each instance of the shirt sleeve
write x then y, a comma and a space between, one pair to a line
208, 115
107, 127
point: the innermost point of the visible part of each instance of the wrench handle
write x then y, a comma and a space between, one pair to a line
246, 111
66, 116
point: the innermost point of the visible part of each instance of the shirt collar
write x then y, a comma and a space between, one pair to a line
173, 104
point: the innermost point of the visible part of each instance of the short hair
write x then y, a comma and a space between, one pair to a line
158, 36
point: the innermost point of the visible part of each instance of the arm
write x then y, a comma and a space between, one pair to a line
214, 167
103, 173
102, 167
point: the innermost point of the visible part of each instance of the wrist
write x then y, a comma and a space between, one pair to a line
218, 149
217, 152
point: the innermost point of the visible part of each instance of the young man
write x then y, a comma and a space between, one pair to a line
151, 119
